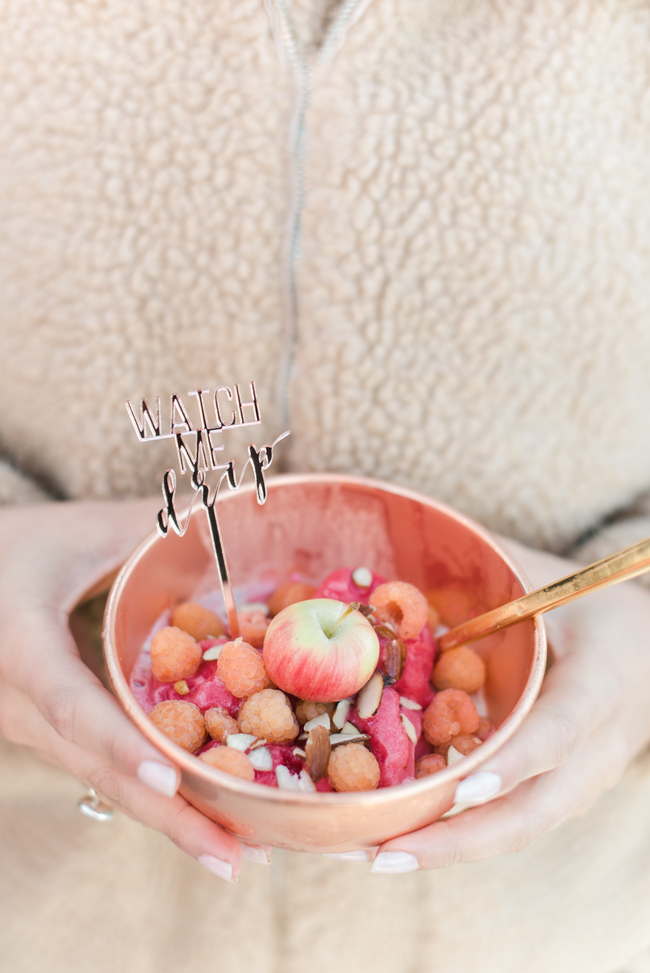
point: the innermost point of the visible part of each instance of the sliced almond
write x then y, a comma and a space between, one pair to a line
322, 720
287, 780
338, 738
213, 653
297, 752
369, 697
305, 783
241, 741
341, 713
366, 610
362, 577
317, 752
261, 759
453, 756
258, 743
408, 703
350, 728
393, 660
411, 732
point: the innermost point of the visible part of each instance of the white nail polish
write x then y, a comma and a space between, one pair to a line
478, 787
218, 866
350, 856
393, 862
256, 853
159, 777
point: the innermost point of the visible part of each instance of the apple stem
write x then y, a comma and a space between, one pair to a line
352, 607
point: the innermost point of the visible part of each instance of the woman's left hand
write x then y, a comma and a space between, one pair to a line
590, 720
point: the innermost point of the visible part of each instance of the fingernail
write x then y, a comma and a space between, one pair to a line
392, 862
350, 856
256, 853
218, 866
159, 777
478, 787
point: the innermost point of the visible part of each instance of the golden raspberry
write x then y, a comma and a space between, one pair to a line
241, 668
229, 760
174, 655
219, 724
182, 722
306, 710
253, 624
459, 668
197, 621
431, 763
288, 594
403, 605
451, 712
465, 743
353, 768
269, 716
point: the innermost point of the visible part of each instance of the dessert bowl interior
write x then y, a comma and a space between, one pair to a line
311, 525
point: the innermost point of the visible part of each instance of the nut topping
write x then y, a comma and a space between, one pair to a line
369, 696
317, 752
394, 660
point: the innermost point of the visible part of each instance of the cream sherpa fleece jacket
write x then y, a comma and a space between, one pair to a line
461, 300
422, 227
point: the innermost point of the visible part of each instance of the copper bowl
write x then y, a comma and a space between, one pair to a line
313, 524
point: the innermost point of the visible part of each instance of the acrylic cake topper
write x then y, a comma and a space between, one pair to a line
205, 459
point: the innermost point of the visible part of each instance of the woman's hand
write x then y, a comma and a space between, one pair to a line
592, 717
49, 700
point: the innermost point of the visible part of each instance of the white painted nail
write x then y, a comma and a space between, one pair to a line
159, 777
221, 868
392, 862
256, 853
478, 787
350, 856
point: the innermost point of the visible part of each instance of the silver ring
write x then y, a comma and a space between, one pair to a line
93, 808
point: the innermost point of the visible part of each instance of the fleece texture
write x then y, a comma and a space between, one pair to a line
422, 227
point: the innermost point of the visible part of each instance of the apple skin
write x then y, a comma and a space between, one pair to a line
309, 653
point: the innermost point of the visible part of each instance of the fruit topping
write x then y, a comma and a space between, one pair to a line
459, 668
219, 723
353, 768
268, 715
451, 712
431, 763
182, 722
320, 650
253, 624
402, 605
197, 621
369, 699
181, 687
174, 655
288, 594
465, 742
229, 760
317, 752
241, 668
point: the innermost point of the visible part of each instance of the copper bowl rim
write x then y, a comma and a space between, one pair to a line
189, 764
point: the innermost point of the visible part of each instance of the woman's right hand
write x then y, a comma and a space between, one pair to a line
50, 555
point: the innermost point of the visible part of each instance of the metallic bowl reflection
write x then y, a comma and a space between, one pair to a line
313, 524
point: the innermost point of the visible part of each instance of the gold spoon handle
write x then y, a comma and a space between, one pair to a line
625, 564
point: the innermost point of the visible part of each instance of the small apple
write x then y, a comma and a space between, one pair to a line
321, 650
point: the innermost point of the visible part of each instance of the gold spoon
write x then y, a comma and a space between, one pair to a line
625, 564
